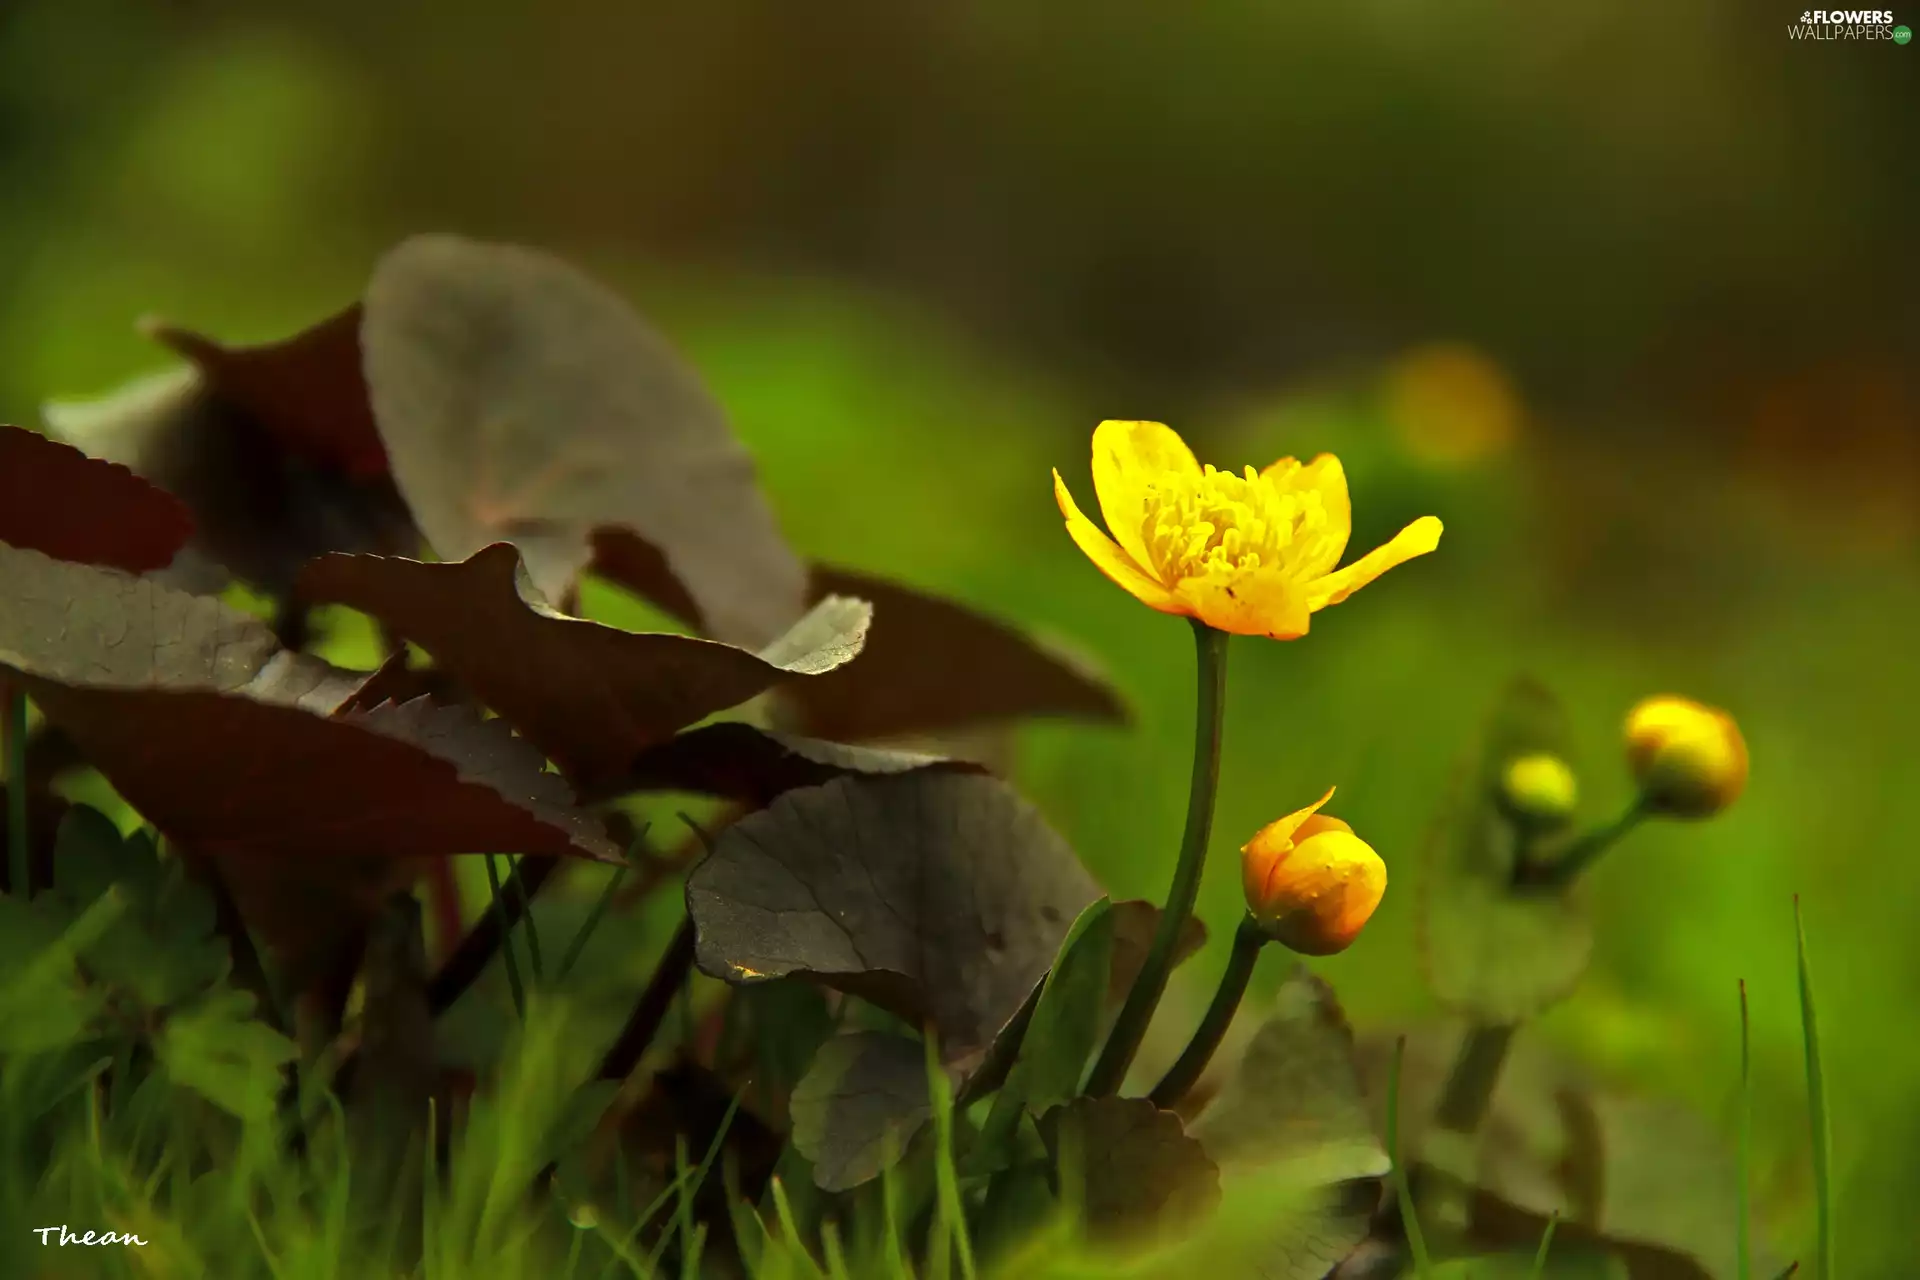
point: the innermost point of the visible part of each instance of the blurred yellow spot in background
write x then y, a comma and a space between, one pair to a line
1451, 405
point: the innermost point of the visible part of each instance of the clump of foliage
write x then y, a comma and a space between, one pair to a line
233, 1023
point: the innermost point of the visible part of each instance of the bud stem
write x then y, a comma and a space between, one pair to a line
1465, 1100
1213, 1027
1110, 1072
1582, 853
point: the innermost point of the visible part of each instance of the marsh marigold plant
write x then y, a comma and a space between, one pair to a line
1253, 553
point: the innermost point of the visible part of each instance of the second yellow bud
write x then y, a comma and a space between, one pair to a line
1689, 759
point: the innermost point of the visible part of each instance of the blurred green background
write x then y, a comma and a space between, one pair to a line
1624, 293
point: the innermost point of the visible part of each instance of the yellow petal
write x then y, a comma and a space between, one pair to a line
1418, 538
1325, 476
1261, 855
1318, 823
1129, 459
1109, 558
1264, 602
1332, 885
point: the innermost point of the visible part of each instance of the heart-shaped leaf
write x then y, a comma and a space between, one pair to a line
940, 896
1049, 1040
308, 392
933, 666
259, 511
1294, 1117
1491, 950
1657, 1175
520, 400
1143, 1181
1295, 1108
56, 500
751, 766
591, 696
859, 1106
221, 739
1645, 1178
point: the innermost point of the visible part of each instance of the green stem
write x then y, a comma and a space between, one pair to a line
1226, 1002
1468, 1093
21, 866
1110, 1072
1582, 853
514, 985
1465, 1101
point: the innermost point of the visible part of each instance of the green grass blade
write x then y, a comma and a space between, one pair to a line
1546, 1243
1409, 1218
1816, 1107
796, 1248
898, 1268
835, 1252
683, 1204
687, 1184
592, 922
952, 1213
1743, 1209
527, 923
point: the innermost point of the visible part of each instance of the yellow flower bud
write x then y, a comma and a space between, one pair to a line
1689, 759
1538, 791
1311, 883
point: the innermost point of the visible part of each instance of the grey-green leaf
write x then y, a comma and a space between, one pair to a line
1295, 1108
1142, 1180
859, 1106
1293, 1118
522, 401
942, 897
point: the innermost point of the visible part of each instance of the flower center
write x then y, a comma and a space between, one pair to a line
1218, 524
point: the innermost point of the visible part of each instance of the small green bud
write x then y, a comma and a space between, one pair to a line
1538, 792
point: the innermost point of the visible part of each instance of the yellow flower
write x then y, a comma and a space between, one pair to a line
1310, 882
1539, 791
1250, 554
1688, 758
